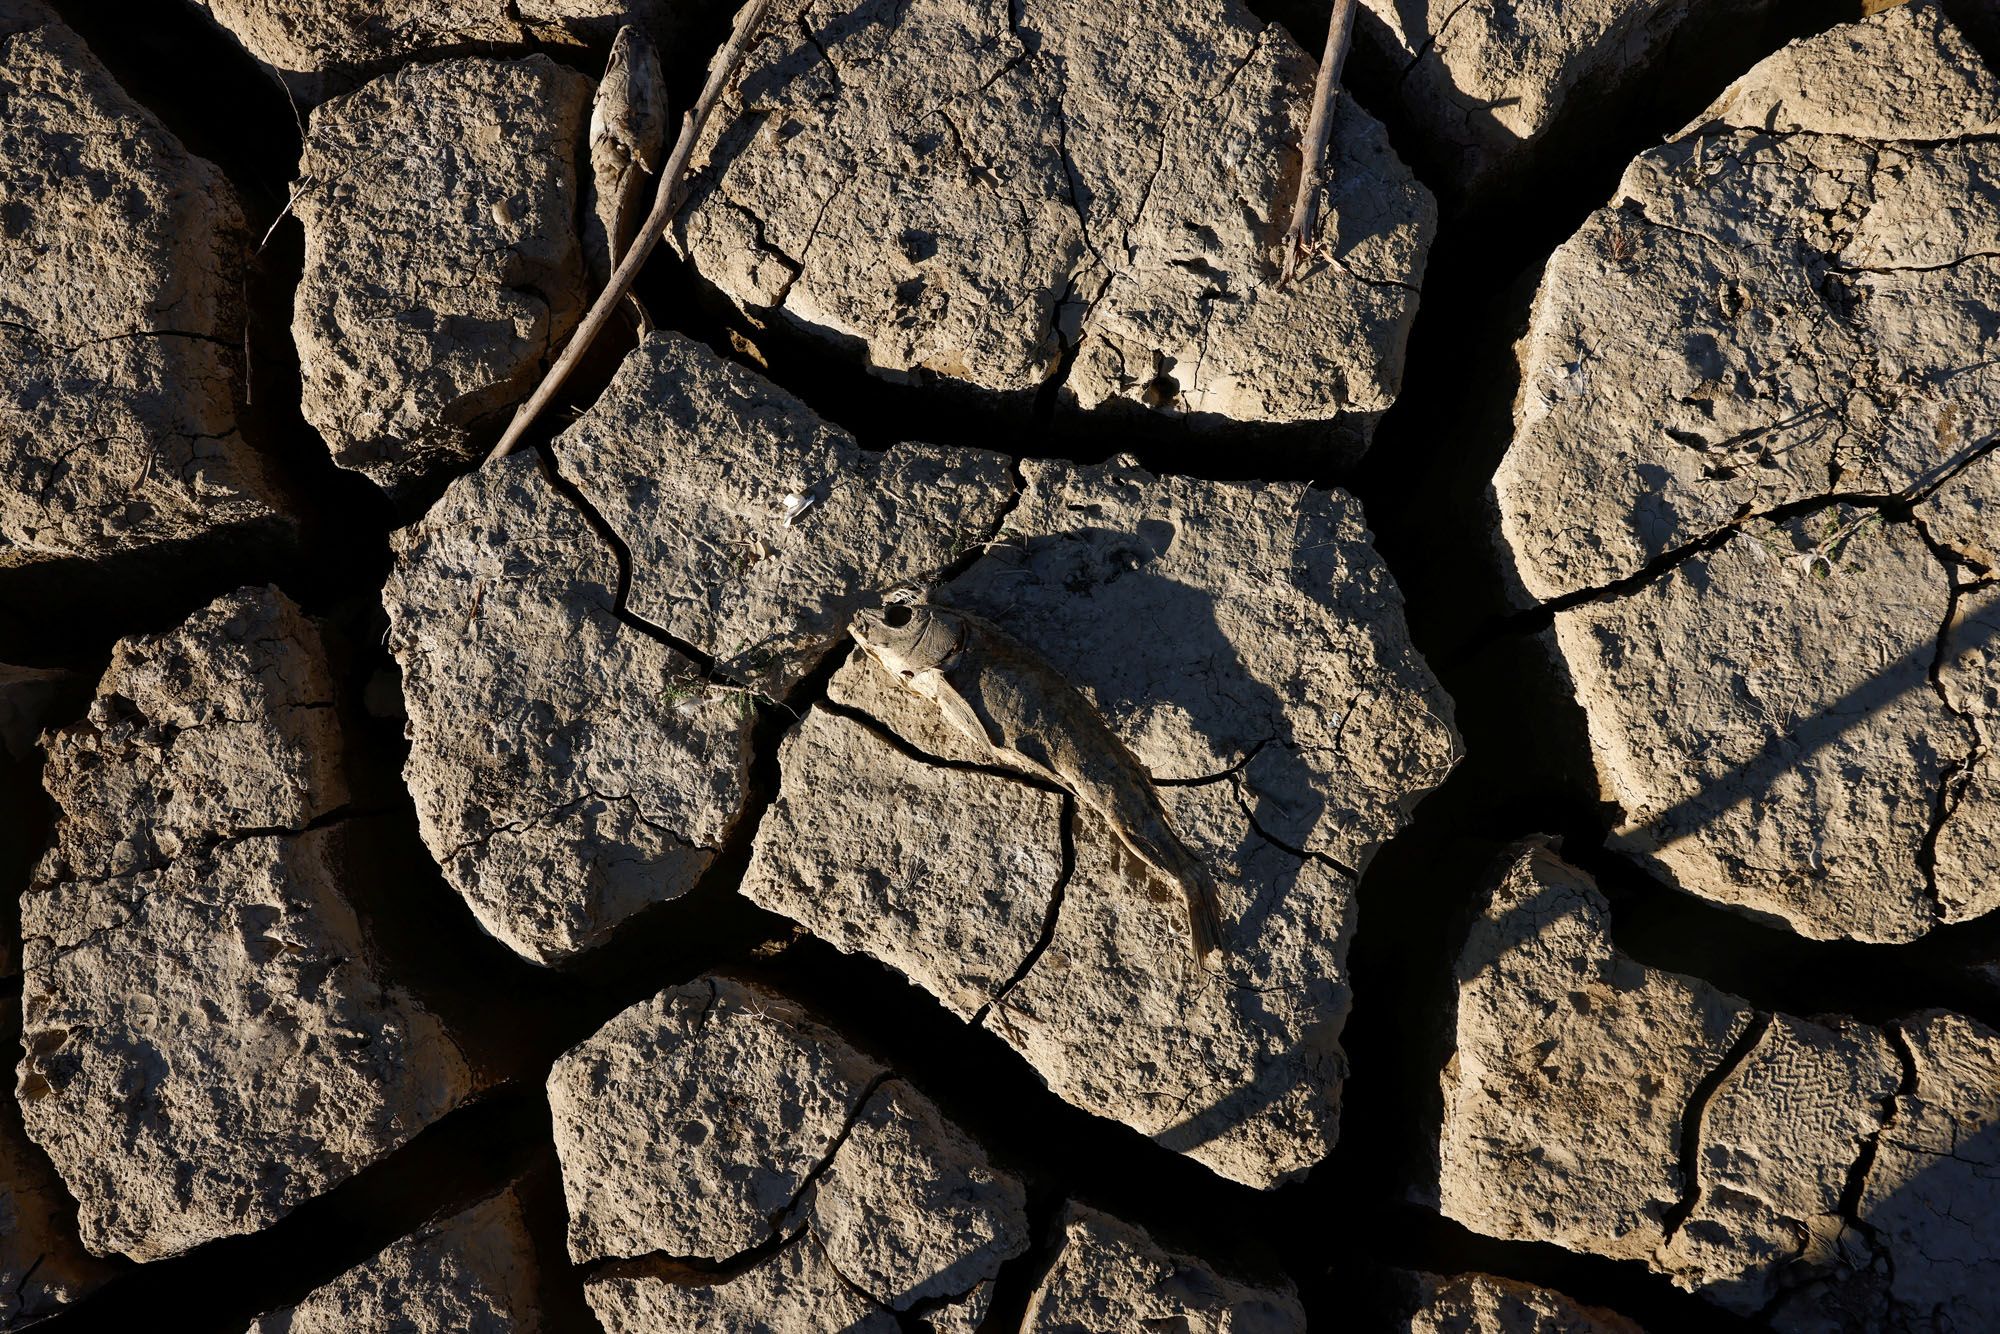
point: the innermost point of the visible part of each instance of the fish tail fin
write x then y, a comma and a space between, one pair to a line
1204, 909
1149, 836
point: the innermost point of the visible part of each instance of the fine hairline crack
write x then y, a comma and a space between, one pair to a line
1957, 775
1304, 854
1691, 1119
201, 851
1893, 505
788, 1223
1066, 829
1854, 1188
896, 741
621, 553
1051, 917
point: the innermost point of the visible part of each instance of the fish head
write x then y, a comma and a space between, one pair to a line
909, 638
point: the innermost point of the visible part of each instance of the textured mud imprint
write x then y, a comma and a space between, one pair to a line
457, 894
1816, 1172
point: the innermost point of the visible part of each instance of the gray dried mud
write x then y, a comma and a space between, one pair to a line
405, 918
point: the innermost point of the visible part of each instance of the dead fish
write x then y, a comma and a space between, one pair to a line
1006, 697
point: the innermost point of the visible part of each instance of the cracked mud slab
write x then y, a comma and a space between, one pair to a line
1933, 1195
43, 1265
1821, 1173
1484, 1304
1765, 316
442, 265
1781, 731
1484, 80
797, 1289
121, 323
206, 1041
574, 758
320, 47
471, 1273
905, 831
1247, 644
1567, 1094
1763, 379
729, 1162
563, 779
1111, 1275
755, 528
972, 191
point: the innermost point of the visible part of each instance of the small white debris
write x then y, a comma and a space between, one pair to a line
796, 504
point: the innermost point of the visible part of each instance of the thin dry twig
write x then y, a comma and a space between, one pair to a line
300, 121
665, 201
1319, 128
283, 213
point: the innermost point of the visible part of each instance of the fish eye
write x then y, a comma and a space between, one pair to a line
909, 676
897, 616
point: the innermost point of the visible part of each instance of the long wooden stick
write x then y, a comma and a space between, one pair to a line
1319, 128
665, 201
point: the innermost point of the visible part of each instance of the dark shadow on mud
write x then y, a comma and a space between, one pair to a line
1782, 753
1931, 1192
1140, 640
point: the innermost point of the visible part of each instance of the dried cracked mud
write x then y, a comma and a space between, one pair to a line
461, 895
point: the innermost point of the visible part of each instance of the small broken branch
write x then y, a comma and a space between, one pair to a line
1300, 235
665, 202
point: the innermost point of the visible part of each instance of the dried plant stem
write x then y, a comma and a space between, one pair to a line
665, 201
1319, 128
